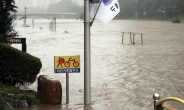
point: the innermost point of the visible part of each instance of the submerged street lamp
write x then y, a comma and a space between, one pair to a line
25, 17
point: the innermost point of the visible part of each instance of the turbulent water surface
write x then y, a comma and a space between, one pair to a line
123, 76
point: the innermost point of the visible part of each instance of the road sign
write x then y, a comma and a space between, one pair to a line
14, 40
66, 64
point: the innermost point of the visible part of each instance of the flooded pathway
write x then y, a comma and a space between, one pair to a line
123, 76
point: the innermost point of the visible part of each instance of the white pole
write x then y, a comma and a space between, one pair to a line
33, 22
136, 10
164, 12
55, 23
25, 17
87, 59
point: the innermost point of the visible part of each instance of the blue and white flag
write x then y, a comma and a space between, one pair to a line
107, 11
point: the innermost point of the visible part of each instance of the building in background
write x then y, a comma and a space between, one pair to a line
43, 4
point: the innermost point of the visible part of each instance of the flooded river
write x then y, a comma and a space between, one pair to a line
123, 76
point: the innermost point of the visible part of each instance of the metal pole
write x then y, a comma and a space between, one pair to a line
131, 37
156, 97
141, 38
136, 10
122, 37
52, 22
25, 16
87, 59
33, 22
67, 88
164, 12
55, 23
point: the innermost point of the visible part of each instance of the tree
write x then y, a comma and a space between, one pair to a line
153, 8
7, 17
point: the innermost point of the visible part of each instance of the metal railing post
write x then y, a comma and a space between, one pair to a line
156, 97
122, 37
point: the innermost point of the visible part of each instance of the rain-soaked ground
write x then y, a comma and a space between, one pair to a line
123, 76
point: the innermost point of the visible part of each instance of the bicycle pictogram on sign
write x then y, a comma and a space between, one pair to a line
64, 64
67, 63
75, 63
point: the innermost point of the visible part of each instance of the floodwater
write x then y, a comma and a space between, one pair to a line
123, 76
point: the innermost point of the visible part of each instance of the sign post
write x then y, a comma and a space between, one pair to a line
23, 44
67, 64
67, 88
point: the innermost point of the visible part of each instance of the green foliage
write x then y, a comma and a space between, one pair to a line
7, 88
33, 97
176, 20
9, 93
2, 38
17, 67
7, 16
6, 44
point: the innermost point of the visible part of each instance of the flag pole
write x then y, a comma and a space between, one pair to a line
87, 59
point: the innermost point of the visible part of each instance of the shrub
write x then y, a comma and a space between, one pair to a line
176, 20
17, 67
1, 38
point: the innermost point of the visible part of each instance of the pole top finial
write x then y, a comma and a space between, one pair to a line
156, 96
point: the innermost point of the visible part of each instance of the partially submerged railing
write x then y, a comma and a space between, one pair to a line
132, 34
158, 103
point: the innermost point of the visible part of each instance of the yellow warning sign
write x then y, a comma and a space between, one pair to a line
66, 64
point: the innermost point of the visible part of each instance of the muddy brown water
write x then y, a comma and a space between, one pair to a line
123, 76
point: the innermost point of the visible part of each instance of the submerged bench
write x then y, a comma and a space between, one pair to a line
132, 33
